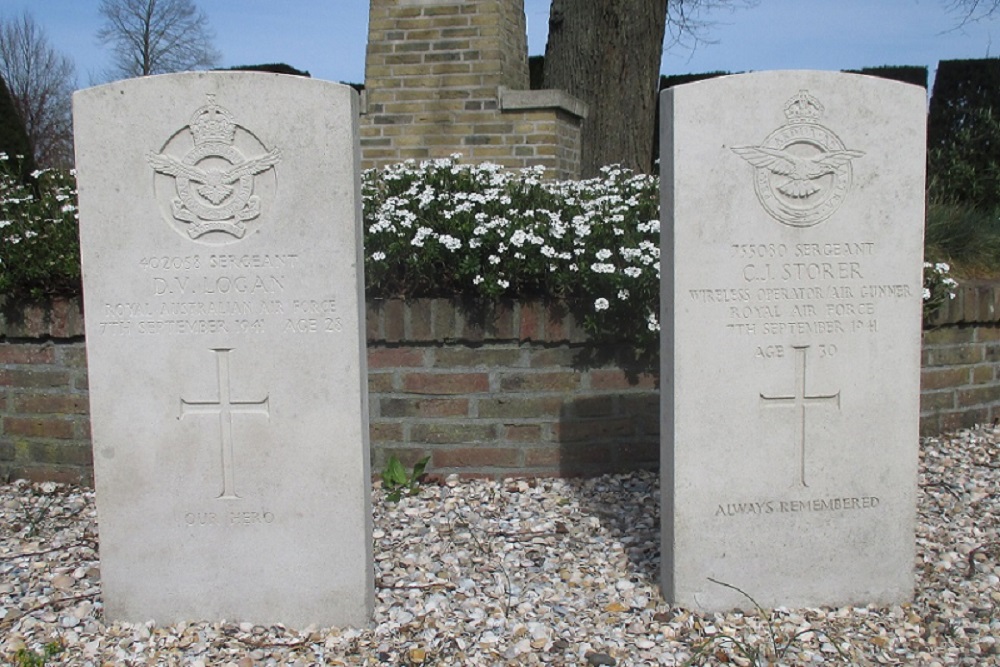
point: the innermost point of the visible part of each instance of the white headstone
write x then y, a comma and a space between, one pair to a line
223, 282
793, 207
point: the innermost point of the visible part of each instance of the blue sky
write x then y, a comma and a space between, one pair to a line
327, 37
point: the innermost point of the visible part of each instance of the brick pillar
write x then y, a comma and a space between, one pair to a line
433, 73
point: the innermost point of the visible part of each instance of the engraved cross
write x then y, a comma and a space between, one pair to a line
800, 400
225, 407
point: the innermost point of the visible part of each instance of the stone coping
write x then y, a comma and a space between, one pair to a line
525, 100
397, 320
975, 302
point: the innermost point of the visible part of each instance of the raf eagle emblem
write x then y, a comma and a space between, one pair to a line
214, 187
802, 172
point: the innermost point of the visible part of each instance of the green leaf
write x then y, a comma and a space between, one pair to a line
418, 469
394, 474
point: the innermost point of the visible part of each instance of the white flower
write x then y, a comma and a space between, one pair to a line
494, 259
601, 304
623, 294
450, 242
503, 283
602, 268
633, 271
927, 293
478, 280
603, 254
378, 256
942, 267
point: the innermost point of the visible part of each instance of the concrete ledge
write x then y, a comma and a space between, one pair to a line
522, 100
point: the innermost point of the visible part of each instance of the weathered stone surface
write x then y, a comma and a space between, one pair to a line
793, 217
220, 220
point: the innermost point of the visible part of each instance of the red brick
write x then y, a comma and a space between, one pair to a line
929, 425
395, 357
978, 395
58, 474
618, 379
517, 407
949, 335
451, 432
74, 356
477, 357
558, 323
952, 421
985, 334
983, 374
476, 457
531, 321
385, 432
379, 383
38, 427
444, 326
35, 379
540, 381
589, 407
638, 454
547, 457
593, 429
522, 432
51, 404
446, 383
13, 353
933, 401
394, 324
66, 318
372, 313
421, 320
424, 407
574, 458
956, 355
943, 378
501, 325
408, 456
561, 356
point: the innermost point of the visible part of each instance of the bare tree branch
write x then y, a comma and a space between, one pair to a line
970, 11
156, 37
41, 82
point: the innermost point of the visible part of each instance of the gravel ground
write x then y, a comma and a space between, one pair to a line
549, 571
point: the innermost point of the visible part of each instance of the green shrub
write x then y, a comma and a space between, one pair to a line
14, 140
965, 236
963, 133
440, 228
39, 242
444, 229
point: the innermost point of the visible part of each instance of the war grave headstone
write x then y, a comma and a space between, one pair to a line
792, 244
223, 285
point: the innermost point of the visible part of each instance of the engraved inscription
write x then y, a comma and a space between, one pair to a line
212, 518
203, 294
802, 170
800, 401
763, 507
225, 407
214, 191
801, 290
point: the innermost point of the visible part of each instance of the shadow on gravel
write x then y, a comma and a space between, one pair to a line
627, 505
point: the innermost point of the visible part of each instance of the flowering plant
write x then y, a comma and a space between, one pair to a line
939, 287
440, 228
39, 243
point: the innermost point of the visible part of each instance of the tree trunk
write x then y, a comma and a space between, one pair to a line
607, 53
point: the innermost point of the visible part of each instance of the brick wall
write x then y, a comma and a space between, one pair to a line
960, 380
435, 75
44, 422
507, 391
